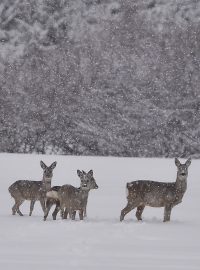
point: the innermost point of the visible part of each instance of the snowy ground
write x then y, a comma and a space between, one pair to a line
101, 241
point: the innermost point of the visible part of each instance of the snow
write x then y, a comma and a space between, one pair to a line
100, 241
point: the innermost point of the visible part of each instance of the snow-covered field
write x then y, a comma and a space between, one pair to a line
100, 241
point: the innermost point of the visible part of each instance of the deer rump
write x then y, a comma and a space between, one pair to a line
152, 193
72, 198
68, 195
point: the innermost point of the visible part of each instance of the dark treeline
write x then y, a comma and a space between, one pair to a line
100, 77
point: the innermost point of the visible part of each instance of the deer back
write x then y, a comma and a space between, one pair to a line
151, 193
27, 189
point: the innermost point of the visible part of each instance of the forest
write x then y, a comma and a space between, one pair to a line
100, 77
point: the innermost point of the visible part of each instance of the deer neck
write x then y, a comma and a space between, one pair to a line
46, 183
181, 182
84, 192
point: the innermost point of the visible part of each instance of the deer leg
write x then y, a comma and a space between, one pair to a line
62, 210
139, 212
62, 213
14, 209
81, 214
85, 212
167, 213
49, 204
42, 202
65, 214
126, 210
17, 205
73, 215
55, 212
31, 207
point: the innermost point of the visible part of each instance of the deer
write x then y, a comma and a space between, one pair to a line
22, 190
143, 193
70, 199
52, 199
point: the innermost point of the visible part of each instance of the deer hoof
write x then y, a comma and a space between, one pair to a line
121, 218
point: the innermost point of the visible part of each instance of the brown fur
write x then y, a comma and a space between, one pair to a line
22, 190
70, 198
143, 193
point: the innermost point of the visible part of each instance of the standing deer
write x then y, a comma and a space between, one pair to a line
143, 193
22, 190
69, 198
52, 199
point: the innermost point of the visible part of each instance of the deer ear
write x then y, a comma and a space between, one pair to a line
79, 173
188, 162
53, 165
177, 162
90, 173
43, 165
